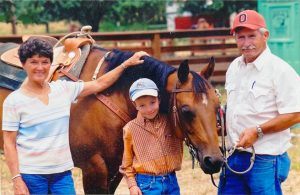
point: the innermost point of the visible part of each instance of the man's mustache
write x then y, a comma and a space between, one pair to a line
248, 47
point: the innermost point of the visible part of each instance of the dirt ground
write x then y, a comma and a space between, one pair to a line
191, 181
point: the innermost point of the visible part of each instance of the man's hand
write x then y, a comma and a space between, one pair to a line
20, 186
247, 138
135, 59
135, 190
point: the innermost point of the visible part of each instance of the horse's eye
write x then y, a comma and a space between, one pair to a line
187, 113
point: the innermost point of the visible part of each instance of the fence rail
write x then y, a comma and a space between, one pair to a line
171, 46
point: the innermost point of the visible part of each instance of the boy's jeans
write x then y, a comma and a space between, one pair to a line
162, 184
57, 183
265, 177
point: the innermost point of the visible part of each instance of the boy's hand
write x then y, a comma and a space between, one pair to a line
135, 190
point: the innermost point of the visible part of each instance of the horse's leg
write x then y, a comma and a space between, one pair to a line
115, 180
95, 174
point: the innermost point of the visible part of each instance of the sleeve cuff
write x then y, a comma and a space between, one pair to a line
288, 110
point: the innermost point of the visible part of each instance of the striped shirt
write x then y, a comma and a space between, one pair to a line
43, 130
150, 147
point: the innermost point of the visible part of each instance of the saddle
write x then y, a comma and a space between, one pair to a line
73, 52
67, 62
11, 56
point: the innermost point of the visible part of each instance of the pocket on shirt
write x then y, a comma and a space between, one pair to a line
173, 145
257, 97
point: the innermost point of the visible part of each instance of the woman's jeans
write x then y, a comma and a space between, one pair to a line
57, 183
162, 184
265, 177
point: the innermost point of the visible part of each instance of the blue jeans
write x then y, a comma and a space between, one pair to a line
265, 177
162, 184
57, 183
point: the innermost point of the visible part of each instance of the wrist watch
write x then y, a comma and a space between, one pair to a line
259, 132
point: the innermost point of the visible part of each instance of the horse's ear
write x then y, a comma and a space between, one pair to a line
208, 70
183, 71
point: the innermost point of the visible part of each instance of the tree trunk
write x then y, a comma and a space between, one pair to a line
13, 18
95, 25
47, 27
14, 25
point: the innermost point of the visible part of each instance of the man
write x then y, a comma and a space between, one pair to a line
263, 101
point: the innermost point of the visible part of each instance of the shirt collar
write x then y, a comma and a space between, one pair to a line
259, 62
143, 120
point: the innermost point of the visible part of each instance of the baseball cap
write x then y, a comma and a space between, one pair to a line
142, 87
249, 19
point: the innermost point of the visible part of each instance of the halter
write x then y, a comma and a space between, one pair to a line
220, 124
192, 149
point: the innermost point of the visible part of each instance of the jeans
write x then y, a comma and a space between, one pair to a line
57, 183
162, 184
265, 177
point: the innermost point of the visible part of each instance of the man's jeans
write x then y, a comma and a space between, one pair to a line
164, 184
57, 183
265, 177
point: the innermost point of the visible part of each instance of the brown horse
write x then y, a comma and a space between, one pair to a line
96, 131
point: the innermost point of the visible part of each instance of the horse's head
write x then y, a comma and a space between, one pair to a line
194, 106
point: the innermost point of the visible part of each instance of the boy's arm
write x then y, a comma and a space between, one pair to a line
126, 168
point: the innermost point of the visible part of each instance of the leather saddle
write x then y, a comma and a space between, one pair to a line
68, 60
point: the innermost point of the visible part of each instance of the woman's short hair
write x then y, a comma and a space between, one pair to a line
35, 46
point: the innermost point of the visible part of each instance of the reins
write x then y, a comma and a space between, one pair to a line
221, 124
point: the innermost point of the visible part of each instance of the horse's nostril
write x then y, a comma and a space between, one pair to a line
211, 162
208, 161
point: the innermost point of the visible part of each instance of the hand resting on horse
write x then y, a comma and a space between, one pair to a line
109, 78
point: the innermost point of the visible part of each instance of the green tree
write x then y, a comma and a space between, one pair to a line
220, 10
136, 11
7, 13
85, 12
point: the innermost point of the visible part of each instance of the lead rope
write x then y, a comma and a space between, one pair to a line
231, 151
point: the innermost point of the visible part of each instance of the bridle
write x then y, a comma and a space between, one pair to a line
220, 124
192, 149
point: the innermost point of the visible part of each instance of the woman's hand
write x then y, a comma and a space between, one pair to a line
20, 186
135, 59
135, 190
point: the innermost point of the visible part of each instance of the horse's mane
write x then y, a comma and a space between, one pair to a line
151, 68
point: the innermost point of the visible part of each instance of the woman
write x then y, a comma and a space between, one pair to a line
36, 122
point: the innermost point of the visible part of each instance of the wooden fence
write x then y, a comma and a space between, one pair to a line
171, 46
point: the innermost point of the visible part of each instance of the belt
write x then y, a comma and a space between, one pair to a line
156, 177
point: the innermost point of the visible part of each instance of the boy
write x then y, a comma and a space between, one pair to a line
152, 152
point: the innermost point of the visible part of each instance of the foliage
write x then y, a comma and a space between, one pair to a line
124, 13
86, 12
6, 10
220, 10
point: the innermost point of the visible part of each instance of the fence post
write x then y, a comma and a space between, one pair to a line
156, 46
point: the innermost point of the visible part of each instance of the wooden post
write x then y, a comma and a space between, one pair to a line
156, 46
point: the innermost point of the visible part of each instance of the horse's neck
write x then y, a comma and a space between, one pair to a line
171, 82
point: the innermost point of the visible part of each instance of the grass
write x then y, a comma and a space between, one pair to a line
191, 181
55, 27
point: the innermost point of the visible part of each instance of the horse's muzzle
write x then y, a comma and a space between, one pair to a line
212, 164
